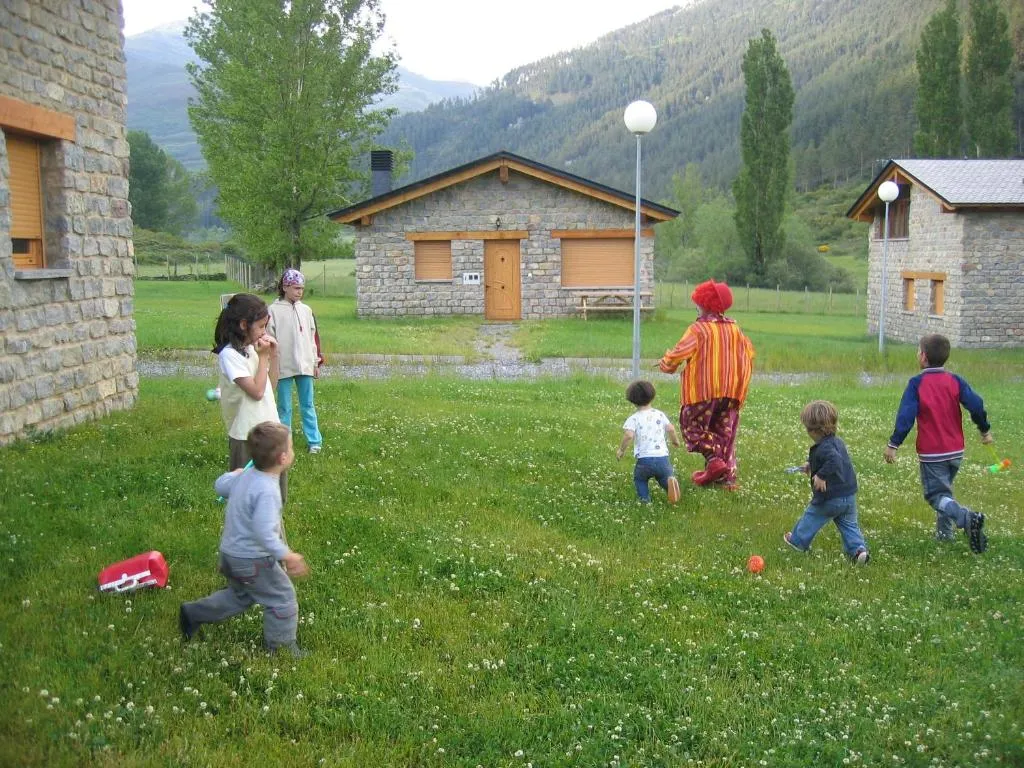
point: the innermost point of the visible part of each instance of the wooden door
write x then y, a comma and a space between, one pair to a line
501, 280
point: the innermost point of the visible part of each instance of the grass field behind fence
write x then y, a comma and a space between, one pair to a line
486, 591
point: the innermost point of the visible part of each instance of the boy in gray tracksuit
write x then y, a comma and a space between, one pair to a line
254, 556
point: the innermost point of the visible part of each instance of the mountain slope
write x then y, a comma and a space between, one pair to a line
159, 90
851, 62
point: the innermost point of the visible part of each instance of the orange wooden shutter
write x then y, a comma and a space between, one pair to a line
433, 260
604, 262
26, 201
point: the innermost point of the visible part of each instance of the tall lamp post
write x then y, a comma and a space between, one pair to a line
887, 192
640, 118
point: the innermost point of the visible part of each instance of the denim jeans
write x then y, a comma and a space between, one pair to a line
937, 484
658, 467
310, 426
842, 511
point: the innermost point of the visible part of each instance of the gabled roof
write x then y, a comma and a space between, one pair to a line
956, 184
502, 162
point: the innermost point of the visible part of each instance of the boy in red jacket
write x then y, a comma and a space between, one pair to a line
933, 399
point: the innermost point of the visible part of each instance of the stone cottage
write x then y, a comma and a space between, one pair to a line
502, 236
66, 328
954, 261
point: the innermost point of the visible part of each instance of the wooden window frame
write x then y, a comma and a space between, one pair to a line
570, 279
937, 297
28, 244
909, 287
429, 260
899, 217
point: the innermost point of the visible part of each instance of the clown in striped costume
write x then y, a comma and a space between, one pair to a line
718, 360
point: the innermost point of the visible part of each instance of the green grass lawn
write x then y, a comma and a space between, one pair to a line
486, 591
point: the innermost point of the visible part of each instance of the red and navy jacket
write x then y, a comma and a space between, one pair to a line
933, 398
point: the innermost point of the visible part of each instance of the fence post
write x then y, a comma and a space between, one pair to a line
807, 300
830, 298
748, 297
778, 298
325, 278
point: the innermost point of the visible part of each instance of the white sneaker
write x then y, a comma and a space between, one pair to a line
315, 448
861, 557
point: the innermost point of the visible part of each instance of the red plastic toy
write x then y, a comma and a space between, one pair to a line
146, 570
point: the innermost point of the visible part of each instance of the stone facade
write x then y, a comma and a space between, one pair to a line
385, 263
66, 331
979, 253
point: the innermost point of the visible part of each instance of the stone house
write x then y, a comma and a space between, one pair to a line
502, 236
66, 328
954, 258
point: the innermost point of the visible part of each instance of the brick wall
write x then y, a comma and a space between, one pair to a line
385, 278
66, 332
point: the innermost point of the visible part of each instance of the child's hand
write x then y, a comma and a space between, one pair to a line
295, 565
889, 455
618, 454
819, 484
266, 343
987, 438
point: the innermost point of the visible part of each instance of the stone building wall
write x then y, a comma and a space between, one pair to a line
993, 280
66, 331
385, 264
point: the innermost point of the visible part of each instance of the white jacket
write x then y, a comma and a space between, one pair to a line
295, 330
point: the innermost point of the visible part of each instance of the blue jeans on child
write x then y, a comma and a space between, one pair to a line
658, 467
842, 511
937, 484
304, 384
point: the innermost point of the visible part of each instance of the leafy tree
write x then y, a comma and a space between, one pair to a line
159, 188
989, 83
939, 118
284, 115
763, 182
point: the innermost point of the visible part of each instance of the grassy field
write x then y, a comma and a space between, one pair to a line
486, 591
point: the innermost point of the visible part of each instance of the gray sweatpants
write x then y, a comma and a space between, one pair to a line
261, 581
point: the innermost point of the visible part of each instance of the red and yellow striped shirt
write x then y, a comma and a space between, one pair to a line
719, 361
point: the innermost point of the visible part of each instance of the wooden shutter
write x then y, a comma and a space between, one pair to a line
600, 262
26, 201
433, 260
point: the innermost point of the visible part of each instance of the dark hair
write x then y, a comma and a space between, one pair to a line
820, 416
229, 332
640, 393
936, 349
266, 442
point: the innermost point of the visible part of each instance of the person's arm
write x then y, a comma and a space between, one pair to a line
223, 484
827, 469
627, 438
255, 386
681, 352
266, 518
673, 434
975, 406
905, 418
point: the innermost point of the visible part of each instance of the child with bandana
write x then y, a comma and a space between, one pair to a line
293, 325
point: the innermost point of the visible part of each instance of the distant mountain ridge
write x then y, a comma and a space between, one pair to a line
159, 90
851, 61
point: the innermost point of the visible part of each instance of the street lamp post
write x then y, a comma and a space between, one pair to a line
887, 192
640, 118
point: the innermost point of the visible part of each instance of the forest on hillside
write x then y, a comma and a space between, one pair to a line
851, 62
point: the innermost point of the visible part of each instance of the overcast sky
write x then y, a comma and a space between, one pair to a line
474, 41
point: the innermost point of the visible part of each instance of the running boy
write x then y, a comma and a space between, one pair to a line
253, 554
646, 428
833, 485
933, 399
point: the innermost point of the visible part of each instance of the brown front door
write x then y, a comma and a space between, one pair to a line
501, 280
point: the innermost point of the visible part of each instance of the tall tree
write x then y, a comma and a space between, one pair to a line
160, 189
990, 128
284, 114
763, 182
939, 117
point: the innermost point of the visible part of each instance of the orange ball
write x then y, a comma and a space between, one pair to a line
755, 564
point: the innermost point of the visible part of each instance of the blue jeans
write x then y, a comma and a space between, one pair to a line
937, 483
658, 467
310, 427
842, 511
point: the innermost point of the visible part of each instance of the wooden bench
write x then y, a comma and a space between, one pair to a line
611, 300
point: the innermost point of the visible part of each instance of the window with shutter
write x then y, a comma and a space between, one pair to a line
433, 259
26, 202
600, 262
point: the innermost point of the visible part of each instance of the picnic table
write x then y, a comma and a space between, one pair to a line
611, 300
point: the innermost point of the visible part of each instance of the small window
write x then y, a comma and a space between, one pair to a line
937, 300
899, 216
433, 259
26, 202
908, 294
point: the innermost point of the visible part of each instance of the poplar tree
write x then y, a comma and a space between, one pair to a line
939, 117
989, 83
284, 114
763, 182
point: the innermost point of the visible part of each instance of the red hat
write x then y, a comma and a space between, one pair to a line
712, 297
